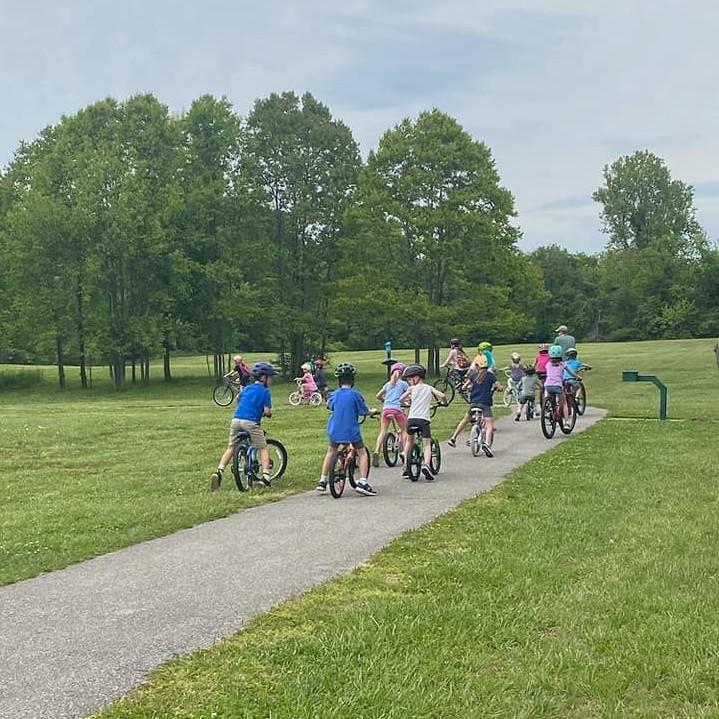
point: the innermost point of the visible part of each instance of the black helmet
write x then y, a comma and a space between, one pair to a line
263, 369
414, 370
345, 369
454, 342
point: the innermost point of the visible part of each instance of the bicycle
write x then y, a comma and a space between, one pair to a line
416, 457
552, 415
392, 446
344, 467
225, 390
453, 383
511, 391
529, 409
246, 467
477, 434
580, 395
314, 399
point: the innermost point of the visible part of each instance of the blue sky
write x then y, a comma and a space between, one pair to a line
556, 88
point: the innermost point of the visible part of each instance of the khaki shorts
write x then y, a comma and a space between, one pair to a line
257, 436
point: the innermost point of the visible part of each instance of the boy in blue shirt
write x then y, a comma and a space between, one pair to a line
347, 406
575, 365
254, 403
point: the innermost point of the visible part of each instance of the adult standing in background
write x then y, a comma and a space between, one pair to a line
564, 339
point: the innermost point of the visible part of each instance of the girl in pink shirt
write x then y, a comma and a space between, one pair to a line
554, 380
307, 381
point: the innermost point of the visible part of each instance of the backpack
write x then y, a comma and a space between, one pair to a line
462, 359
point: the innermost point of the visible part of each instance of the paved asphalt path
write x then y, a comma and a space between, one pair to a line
73, 640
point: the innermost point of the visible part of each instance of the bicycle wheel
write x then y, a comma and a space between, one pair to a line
435, 461
295, 398
223, 394
446, 387
339, 475
567, 425
529, 409
390, 449
278, 458
475, 441
241, 469
507, 397
581, 399
415, 463
548, 422
315, 399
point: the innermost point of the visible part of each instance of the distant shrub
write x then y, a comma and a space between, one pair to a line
20, 379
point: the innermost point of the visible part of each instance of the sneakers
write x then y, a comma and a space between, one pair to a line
215, 481
516, 419
265, 481
428, 473
375, 459
487, 450
452, 442
321, 485
363, 487
405, 473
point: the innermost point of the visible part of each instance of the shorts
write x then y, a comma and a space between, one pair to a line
257, 436
554, 389
486, 409
523, 399
393, 413
358, 444
419, 426
542, 376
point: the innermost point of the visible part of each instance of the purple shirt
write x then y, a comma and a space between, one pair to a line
555, 373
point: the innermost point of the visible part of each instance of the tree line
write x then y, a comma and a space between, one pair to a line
127, 233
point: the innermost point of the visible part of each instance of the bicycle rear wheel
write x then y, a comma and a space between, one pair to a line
223, 394
475, 441
567, 425
529, 409
242, 470
315, 399
435, 461
547, 420
390, 450
443, 385
338, 476
415, 463
507, 397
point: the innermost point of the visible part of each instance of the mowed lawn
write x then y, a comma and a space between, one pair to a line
583, 587
84, 473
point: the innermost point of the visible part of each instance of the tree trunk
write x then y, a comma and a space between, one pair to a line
146, 377
60, 349
416, 355
165, 360
81, 332
118, 370
134, 368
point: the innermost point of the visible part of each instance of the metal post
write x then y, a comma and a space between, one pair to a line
634, 376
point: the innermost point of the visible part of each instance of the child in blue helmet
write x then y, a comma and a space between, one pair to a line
255, 403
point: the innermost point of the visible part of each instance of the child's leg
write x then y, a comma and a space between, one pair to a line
383, 425
329, 461
489, 430
427, 444
363, 463
226, 457
462, 424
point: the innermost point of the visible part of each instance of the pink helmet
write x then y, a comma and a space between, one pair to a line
398, 367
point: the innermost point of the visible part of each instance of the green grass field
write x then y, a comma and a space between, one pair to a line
582, 587
84, 473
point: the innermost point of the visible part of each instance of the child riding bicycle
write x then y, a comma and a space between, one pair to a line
483, 383
255, 403
306, 383
554, 382
347, 406
530, 384
391, 393
420, 396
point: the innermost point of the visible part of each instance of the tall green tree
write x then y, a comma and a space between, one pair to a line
302, 165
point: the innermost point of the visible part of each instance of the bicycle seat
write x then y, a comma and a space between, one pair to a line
242, 434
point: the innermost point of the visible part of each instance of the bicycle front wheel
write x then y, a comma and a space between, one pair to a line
223, 395
278, 458
548, 422
446, 387
435, 461
295, 398
390, 450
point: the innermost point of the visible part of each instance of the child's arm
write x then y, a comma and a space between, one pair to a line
380, 394
586, 366
439, 395
406, 396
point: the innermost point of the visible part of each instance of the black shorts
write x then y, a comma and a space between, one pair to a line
419, 426
357, 445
